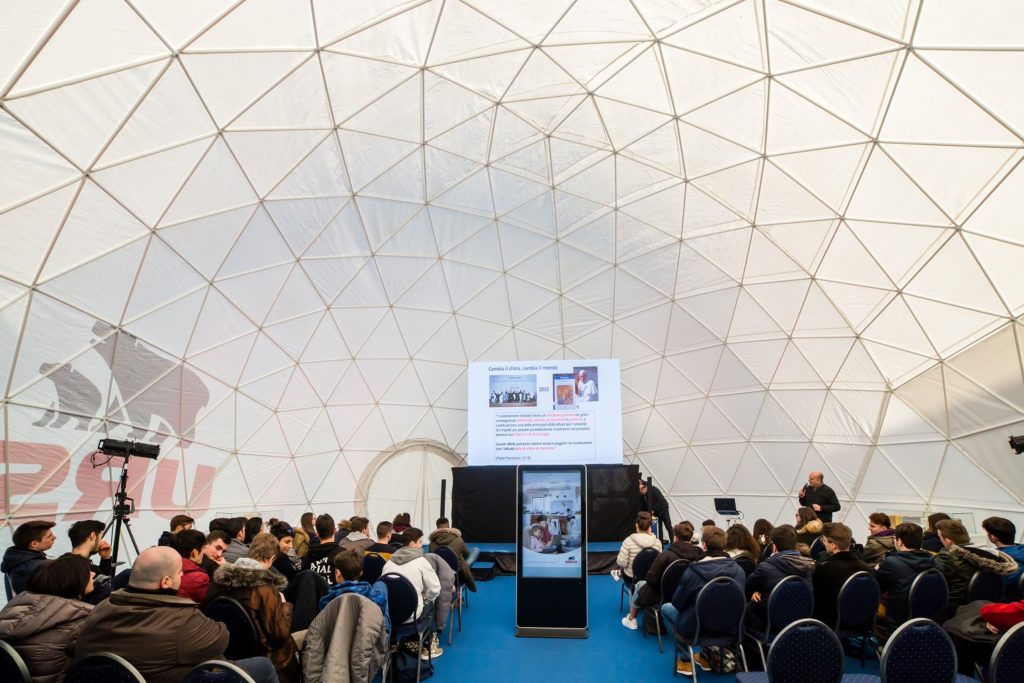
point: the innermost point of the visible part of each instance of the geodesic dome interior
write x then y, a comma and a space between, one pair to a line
270, 235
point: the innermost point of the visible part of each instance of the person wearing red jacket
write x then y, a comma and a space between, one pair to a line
1003, 616
194, 579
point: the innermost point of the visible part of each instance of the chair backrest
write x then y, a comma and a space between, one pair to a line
7, 587
1007, 663
373, 567
985, 586
217, 671
719, 610
1020, 587
817, 547
790, 601
402, 600
643, 561
449, 556
928, 594
243, 641
919, 651
12, 666
857, 603
103, 667
806, 651
670, 579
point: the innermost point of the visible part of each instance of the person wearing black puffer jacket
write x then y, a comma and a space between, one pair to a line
785, 561
682, 548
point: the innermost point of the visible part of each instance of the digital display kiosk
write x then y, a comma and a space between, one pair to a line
551, 566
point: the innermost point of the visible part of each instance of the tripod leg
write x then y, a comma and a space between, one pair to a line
131, 536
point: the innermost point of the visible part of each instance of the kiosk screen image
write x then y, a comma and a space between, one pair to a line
551, 556
551, 509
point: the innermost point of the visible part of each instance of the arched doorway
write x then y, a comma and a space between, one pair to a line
409, 480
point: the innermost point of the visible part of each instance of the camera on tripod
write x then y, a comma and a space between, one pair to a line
123, 505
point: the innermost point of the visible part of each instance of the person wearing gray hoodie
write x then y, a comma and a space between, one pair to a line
410, 563
357, 539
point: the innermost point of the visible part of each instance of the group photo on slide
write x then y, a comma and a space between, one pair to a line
597, 340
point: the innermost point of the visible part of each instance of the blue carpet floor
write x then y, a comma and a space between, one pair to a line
487, 649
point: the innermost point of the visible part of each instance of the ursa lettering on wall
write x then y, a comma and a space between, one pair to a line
157, 398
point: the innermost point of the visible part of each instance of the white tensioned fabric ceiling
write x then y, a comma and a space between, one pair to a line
271, 234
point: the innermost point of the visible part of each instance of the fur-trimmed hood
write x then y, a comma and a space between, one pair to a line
234, 576
815, 526
442, 535
993, 561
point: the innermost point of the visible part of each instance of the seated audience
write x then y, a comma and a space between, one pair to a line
285, 535
43, 622
189, 543
304, 534
250, 582
452, 537
213, 552
784, 561
762, 534
357, 539
960, 559
682, 611
649, 594
320, 558
1002, 533
162, 635
86, 538
178, 523
880, 539
410, 563
639, 540
401, 522
31, 541
931, 541
348, 570
382, 546
808, 526
219, 524
237, 548
253, 526
897, 571
832, 570
742, 547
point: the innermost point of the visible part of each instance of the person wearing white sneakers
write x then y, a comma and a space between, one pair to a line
636, 542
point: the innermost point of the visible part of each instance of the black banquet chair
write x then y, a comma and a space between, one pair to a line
719, 611
790, 601
920, 651
243, 640
929, 593
806, 651
373, 567
985, 586
669, 583
103, 667
402, 602
857, 606
1007, 662
217, 671
12, 666
641, 565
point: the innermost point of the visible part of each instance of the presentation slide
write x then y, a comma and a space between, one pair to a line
551, 509
545, 412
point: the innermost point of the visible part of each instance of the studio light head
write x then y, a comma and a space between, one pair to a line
1017, 444
126, 449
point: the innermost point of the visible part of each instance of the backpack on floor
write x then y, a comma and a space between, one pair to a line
405, 659
721, 659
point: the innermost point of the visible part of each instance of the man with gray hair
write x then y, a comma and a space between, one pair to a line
163, 635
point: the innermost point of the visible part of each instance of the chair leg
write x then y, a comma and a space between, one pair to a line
657, 627
693, 664
764, 661
462, 597
622, 591
451, 628
743, 654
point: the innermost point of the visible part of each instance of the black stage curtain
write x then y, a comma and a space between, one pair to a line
484, 502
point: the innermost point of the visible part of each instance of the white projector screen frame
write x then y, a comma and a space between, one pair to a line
550, 412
